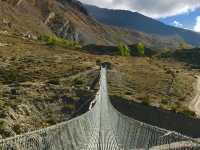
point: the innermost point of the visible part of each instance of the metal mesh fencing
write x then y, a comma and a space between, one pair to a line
101, 128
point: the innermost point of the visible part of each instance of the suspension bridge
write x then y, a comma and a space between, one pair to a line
101, 128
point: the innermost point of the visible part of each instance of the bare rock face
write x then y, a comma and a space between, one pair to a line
70, 20
67, 31
7, 23
3, 44
62, 27
29, 35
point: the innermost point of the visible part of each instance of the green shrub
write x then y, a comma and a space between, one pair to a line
167, 53
141, 48
43, 38
188, 112
164, 101
54, 81
147, 103
17, 128
79, 81
123, 49
3, 124
98, 62
183, 45
4, 132
10, 76
145, 100
13, 91
68, 108
51, 120
53, 40
128, 93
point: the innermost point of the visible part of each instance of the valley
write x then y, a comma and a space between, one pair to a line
50, 57
42, 85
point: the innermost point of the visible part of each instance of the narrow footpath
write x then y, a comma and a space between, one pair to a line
195, 103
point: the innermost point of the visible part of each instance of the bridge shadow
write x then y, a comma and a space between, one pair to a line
101, 49
85, 99
189, 56
157, 117
113, 50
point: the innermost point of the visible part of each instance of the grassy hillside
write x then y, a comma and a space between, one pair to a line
139, 22
69, 20
50, 51
43, 84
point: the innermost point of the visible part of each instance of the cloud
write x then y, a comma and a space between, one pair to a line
177, 24
197, 25
151, 8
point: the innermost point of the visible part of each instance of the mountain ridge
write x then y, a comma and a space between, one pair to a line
139, 22
47, 78
69, 20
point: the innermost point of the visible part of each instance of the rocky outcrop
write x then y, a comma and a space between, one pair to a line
68, 19
29, 35
3, 44
62, 27
67, 31
7, 23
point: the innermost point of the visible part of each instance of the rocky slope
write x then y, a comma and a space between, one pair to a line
46, 80
139, 22
68, 19
42, 84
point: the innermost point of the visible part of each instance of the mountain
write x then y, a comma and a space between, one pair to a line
69, 19
45, 79
139, 22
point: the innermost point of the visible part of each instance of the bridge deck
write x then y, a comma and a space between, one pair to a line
101, 128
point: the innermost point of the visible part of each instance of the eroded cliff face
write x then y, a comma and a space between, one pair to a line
49, 17
70, 20
62, 27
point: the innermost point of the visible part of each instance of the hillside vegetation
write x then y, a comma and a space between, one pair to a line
69, 20
50, 56
139, 22
44, 84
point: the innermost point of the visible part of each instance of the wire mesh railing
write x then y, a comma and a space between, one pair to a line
101, 128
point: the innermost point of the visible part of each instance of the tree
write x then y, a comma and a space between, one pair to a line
141, 48
166, 53
183, 45
123, 49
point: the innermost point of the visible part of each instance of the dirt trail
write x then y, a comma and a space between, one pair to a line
195, 104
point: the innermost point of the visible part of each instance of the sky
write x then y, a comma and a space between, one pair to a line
179, 13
